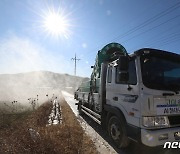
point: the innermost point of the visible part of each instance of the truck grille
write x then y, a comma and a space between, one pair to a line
174, 120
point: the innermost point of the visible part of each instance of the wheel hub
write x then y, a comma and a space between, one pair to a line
115, 133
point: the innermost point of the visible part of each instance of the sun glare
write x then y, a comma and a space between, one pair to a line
56, 24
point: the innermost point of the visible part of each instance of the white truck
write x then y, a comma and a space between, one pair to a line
134, 97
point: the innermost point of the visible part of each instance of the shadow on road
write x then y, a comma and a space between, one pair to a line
134, 147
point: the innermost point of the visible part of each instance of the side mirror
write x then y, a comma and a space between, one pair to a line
92, 66
123, 76
123, 63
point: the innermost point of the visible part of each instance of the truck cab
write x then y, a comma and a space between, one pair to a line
147, 93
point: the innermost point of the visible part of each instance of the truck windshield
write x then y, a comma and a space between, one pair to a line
162, 73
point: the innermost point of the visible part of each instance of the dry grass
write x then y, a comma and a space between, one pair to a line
67, 137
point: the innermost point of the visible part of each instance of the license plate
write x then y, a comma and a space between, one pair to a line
168, 110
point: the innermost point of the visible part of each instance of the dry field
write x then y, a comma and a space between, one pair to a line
29, 133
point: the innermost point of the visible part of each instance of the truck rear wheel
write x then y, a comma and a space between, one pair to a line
117, 132
80, 109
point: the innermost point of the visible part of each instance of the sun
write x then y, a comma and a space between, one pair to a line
56, 24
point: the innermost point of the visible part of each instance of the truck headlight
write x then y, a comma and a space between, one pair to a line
158, 121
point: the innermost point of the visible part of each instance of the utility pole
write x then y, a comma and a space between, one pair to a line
75, 59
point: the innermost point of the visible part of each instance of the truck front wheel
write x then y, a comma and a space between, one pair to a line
117, 132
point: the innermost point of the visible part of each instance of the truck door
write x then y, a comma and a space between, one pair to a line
124, 94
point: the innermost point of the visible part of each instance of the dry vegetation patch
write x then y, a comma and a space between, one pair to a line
31, 135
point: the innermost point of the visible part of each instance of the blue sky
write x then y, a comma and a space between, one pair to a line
26, 45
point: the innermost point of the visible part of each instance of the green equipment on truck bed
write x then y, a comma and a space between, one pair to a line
108, 53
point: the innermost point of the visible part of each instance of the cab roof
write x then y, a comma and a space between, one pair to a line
155, 52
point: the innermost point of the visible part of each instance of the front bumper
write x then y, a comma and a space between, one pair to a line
151, 137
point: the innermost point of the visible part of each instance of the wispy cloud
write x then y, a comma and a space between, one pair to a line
19, 54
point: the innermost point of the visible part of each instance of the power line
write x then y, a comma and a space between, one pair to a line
165, 40
155, 39
149, 21
145, 23
139, 13
75, 59
168, 39
152, 28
